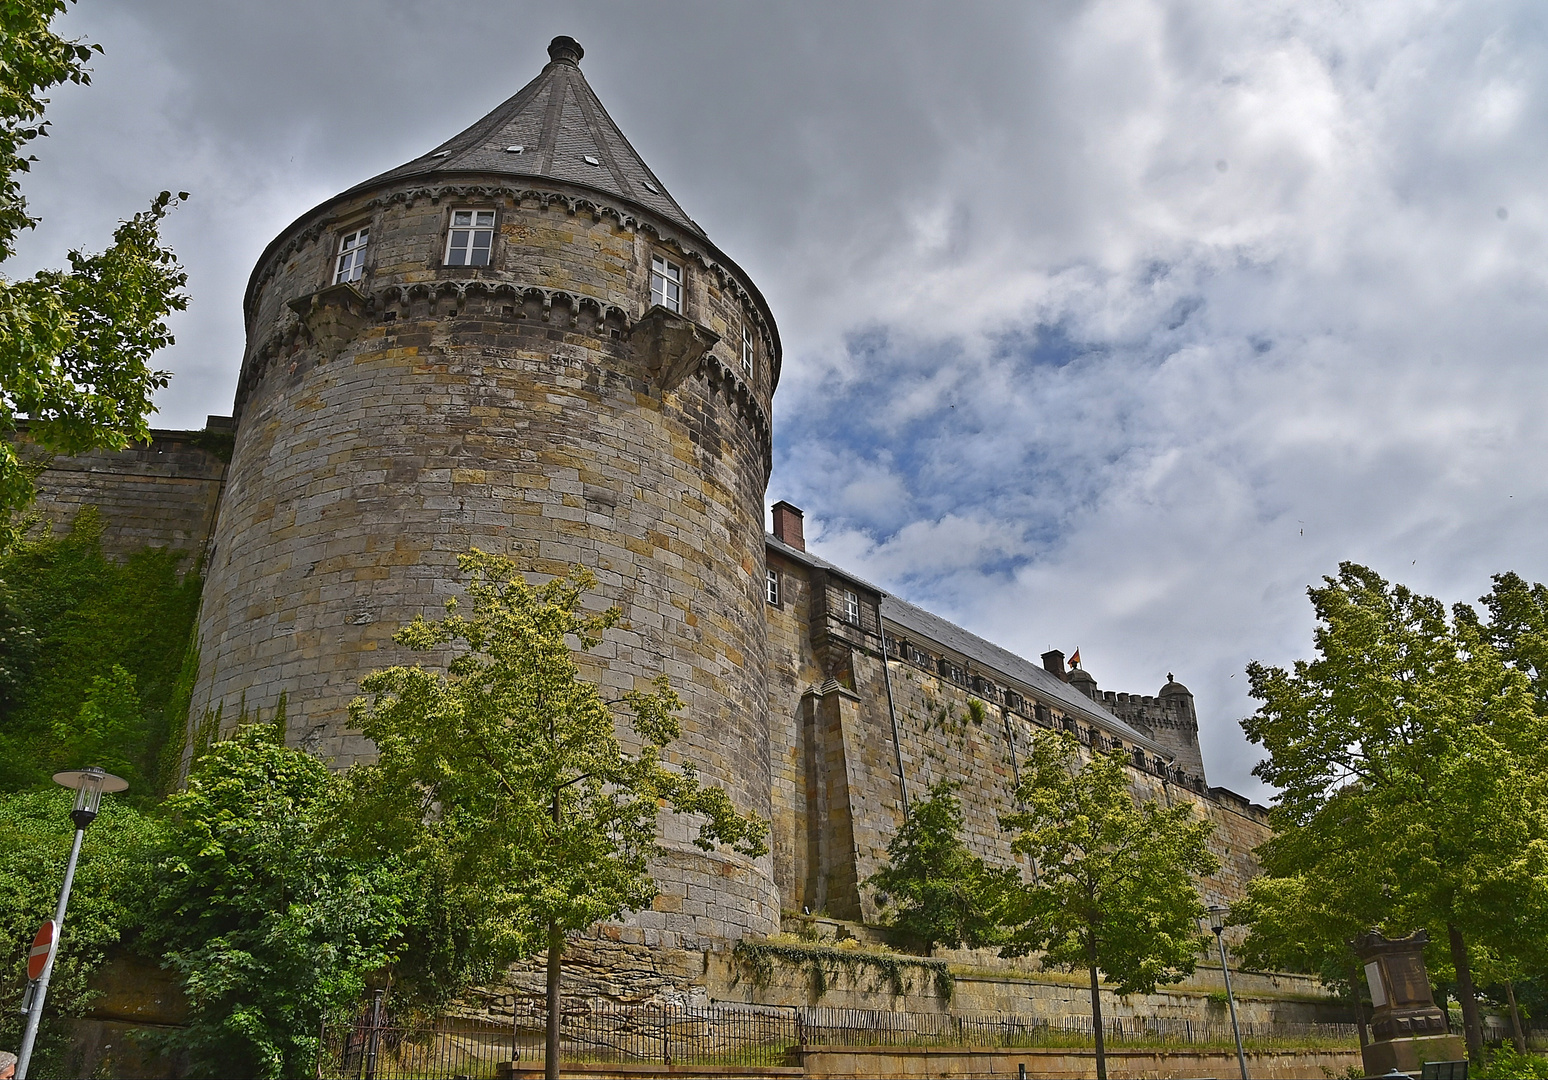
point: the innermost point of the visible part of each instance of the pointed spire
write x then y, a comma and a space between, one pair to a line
553, 127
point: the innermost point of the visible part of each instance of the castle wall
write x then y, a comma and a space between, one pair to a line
793, 669
843, 693
503, 408
163, 493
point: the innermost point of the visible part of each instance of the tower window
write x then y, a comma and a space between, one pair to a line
470, 238
771, 588
851, 608
666, 284
351, 261
747, 351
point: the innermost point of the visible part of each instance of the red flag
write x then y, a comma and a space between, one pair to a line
1075, 658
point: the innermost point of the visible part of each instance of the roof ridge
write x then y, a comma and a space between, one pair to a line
1000, 660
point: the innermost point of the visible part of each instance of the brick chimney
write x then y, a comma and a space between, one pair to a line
1053, 660
787, 526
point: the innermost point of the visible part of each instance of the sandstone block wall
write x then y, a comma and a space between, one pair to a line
836, 757
503, 408
163, 493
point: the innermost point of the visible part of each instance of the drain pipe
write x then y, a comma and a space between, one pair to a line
897, 739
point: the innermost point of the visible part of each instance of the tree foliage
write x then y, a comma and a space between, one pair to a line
84, 637
1320, 889
106, 905
75, 345
1410, 739
1114, 881
503, 781
268, 926
1518, 628
939, 891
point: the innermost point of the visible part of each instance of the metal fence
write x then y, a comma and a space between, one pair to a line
440, 1050
821, 1026
374, 1046
718, 1034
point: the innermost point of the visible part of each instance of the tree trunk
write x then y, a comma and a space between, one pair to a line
1517, 1036
1355, 975
1096, 1015
555, 1008
1472, 1025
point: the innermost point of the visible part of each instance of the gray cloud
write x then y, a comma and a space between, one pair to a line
1111, 325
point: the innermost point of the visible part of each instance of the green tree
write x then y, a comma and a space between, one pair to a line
75, 344
106, 729
267, 925
1518, 628
940, 892
1305, 921
505, 777
1113, 888
1410, 737
107, 904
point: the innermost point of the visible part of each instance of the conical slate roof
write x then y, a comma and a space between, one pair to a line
553, 127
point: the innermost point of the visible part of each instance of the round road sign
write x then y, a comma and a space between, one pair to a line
42, 945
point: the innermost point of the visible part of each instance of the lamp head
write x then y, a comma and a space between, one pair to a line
1217, 917
89, 785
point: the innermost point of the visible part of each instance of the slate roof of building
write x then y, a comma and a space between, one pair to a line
991, 657
559, 123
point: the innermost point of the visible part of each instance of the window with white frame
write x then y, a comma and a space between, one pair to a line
470, 238
747, 351
851, 608
666, 283
771, 588
351, 262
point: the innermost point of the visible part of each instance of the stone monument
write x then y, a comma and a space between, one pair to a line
1407, 1028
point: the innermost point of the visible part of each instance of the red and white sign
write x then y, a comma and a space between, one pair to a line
42, 945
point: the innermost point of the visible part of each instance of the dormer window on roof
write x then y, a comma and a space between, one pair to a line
470, 238
666, 283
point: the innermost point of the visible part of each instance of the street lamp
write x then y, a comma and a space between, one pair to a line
89, 786
1217, 915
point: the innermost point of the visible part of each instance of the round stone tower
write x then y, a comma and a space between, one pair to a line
518, 342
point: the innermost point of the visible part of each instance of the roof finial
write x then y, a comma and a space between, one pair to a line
565, 49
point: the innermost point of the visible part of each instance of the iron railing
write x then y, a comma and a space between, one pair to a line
671, 1034
375, 1046
825, 1026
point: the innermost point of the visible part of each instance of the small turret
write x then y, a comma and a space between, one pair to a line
1084, 681
1177, 726
1168, 718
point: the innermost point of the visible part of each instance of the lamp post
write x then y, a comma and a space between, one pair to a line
89, 786
1217, 916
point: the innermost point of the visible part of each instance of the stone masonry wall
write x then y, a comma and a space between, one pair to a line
503, 408
163, 493
793, 670
843, 687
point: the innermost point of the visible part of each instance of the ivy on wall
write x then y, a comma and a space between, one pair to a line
94, 657
822, 963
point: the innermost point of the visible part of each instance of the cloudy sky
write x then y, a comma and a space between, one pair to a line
1110, 325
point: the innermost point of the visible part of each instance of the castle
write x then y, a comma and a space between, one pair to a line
520, 342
